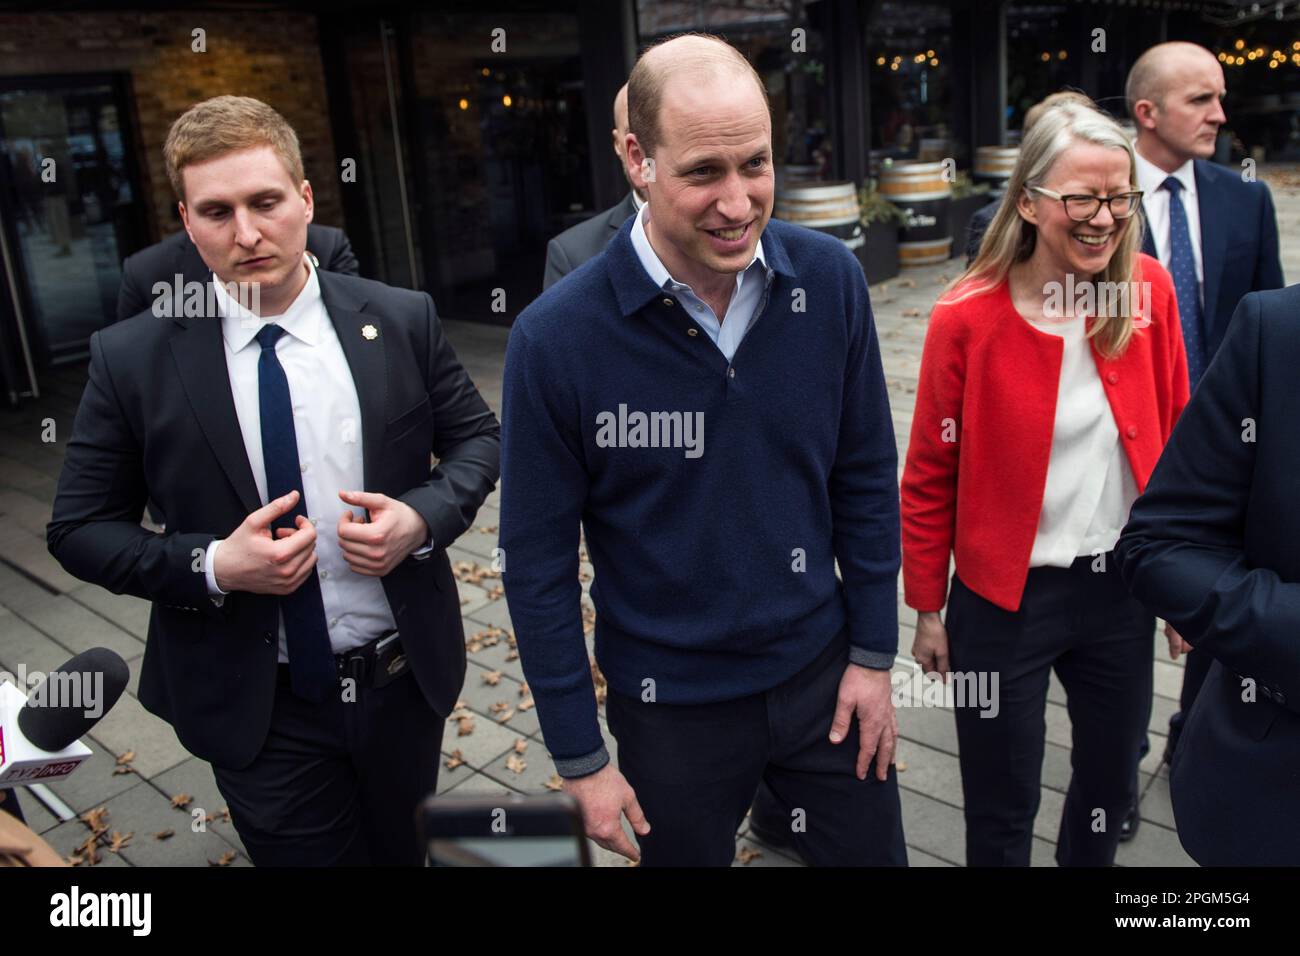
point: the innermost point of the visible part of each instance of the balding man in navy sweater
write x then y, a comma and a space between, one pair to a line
706, 398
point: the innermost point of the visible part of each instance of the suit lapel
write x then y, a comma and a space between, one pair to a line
1214, 243
1148, 243
201, 361
364, 339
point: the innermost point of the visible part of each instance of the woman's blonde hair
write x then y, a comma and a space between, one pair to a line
1011, 239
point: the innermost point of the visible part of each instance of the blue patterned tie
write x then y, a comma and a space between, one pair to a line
1183, 266
311, 661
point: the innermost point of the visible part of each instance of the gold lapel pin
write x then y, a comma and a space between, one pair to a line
369, 333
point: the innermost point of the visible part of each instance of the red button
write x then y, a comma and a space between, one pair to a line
1112, 377
1131, 432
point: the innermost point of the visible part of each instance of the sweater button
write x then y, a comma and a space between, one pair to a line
731, 372
692, 332
668, 301
1131, 431
1112, 377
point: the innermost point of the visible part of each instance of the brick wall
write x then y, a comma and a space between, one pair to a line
274, 56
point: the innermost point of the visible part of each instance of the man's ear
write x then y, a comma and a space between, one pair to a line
1145, 114
185, 219
308, 199
640, 168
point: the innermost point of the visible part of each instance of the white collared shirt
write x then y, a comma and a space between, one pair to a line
1090, 487
1155, 203
327, 425
751, 282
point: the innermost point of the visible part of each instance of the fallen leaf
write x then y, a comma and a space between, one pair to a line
465, 727
95, 820
745, 854
505, 715
454, 761
521, 745
527, 704
900, 765
911, 313
523, 689
496, 593
117, 840
164, 834
516, 763
555, 783
226, 859
512, 655
488, 529
126, 758
492, 678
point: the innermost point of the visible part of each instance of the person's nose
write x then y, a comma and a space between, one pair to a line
1217, 116
246, 232
1104, 218
733, 202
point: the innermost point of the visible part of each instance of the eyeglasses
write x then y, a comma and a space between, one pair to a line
1082, 208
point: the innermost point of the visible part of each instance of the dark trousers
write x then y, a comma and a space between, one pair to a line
696, 768
337, 783
1085, 626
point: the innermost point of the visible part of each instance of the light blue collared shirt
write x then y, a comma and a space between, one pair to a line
751, 283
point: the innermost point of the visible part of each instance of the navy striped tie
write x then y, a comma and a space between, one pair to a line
1182, 265
311, 660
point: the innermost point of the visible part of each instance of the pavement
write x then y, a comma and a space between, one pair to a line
142, 800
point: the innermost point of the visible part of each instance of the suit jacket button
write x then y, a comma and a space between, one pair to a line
1112, 377
1279, 698
267, 636
1131, 431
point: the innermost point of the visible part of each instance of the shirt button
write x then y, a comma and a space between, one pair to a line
692, 332
731, 372
303, 467
324, 575
1112, 377
667, 300
1131, 431
334, 622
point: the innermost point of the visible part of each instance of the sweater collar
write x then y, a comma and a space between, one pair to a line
633, 286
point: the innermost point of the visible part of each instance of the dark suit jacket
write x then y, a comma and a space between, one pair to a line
1239, 251
584, 241
162, 261
158, 419
1211, 547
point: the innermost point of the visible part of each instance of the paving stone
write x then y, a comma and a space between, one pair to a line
94, 781
480, 697
18, 592
472, 597
477, 783
29, 553
194, 777
22, 644
1153, 845
146, 812
538, 769
479, 544
493, 614
494, 657
128, 726
78, 628
488, 741
129, 613
39, 819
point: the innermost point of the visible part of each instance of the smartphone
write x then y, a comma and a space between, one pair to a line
503, 830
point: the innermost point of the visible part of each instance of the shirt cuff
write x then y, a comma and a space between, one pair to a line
209, 571
424, 551
875, 660
582, 766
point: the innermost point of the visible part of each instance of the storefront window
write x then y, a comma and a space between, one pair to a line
908, 47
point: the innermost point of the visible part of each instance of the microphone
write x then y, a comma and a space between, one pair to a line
39, 733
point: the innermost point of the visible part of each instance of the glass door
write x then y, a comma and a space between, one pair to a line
68, 207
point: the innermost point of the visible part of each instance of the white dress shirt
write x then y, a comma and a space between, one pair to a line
1155, 204
1090, 486
327, 425
751, 283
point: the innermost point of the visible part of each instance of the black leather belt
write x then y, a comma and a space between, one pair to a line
373, 664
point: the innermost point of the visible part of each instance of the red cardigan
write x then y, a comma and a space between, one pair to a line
996, 377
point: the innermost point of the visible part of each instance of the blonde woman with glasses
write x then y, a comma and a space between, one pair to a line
1052, 375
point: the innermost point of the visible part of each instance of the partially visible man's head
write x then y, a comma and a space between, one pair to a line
1174, 94
1035, 112
700, 145
237, 171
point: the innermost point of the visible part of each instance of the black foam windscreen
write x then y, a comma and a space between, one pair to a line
73, 698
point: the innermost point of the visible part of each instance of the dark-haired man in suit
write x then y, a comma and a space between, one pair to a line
587, 239
305, 635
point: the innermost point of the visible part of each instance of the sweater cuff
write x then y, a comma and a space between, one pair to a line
876, 660
569, 767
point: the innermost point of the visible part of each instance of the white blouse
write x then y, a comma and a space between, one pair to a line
1090, 486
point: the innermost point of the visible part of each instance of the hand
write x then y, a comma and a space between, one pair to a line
1176, 643
252, 560
605, 796
869, 694
375, 547
930, 648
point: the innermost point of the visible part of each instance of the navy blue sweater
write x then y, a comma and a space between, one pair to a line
714, 559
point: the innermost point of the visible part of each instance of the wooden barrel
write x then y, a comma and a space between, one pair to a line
924, 196
831, 208
995, 162
932, 149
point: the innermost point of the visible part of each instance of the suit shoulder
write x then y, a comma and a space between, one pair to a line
1230, 184
151, 258
585, 234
